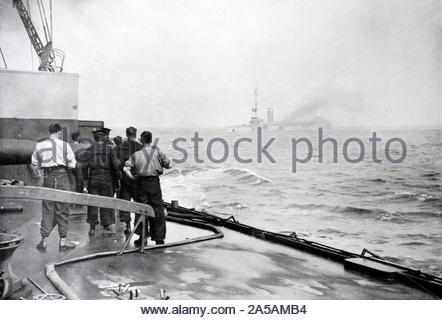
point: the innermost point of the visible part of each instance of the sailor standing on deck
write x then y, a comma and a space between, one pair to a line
102, 174
147, 165
55, 157
107, 138
129, 187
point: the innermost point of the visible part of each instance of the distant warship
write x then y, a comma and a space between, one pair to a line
255, 121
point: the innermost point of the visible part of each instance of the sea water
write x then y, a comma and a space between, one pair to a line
392, 209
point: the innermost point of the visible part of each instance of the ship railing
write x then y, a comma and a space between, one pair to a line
40, 193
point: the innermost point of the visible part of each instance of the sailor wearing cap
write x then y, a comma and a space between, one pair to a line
102, 172
107, 139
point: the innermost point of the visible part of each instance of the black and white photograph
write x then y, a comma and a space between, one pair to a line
281, 151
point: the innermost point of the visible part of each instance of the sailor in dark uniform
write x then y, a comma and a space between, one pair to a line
129, 187
77, 172
106, 132
102, 172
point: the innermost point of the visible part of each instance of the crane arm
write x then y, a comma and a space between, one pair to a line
29, 26
51, 59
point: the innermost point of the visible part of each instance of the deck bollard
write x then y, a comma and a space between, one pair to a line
11, 286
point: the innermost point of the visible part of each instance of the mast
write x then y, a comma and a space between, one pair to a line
255, 109
256, 100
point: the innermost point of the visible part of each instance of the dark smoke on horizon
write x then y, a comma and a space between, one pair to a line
319, 107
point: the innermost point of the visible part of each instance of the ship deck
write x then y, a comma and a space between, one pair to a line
234, 267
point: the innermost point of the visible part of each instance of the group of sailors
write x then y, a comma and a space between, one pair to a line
127, 168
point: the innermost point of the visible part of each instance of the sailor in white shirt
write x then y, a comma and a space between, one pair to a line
55, 157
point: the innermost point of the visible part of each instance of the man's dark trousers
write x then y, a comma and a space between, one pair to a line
150, 193
102, 187
128, 191
55, 213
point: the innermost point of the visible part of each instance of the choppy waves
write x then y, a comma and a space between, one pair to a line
364, 205
431, 176
382, 214
195, 184
241, 175
247, 176
407, 195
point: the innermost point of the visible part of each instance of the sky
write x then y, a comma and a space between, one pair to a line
185, 63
